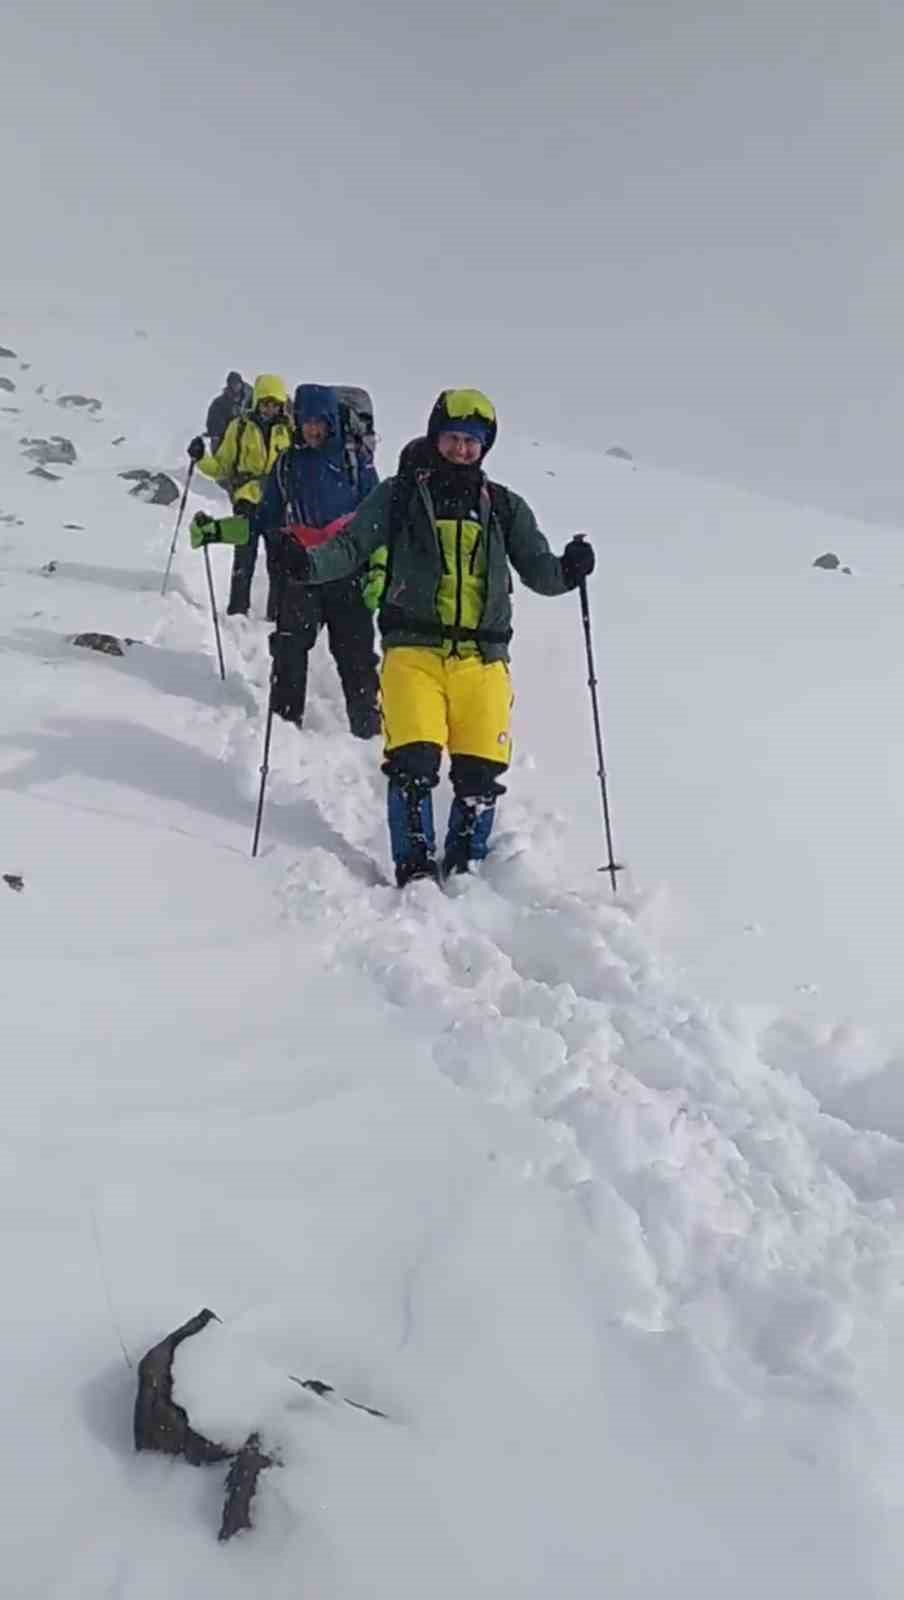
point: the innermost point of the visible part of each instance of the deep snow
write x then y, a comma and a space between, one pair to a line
620, 1264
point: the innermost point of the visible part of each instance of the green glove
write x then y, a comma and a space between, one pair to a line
218, 530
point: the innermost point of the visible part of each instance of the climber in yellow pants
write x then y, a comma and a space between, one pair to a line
438, 542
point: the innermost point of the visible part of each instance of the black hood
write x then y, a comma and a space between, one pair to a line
440, 422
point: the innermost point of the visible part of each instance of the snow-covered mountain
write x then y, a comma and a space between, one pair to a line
597, 1201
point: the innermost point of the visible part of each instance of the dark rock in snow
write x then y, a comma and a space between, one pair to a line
120, 440
155, 487
619, 453
241, 1487
49, 477
24, 366
105, 643
76, 527
160, 1423
8, 385
6, 354
40, 389
50, 568
12, 411
14, 881
79, 402
55, 451
829, 562
848, 571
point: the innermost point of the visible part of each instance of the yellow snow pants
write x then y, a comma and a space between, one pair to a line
461, 703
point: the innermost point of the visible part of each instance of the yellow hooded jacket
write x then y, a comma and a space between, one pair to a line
245, 456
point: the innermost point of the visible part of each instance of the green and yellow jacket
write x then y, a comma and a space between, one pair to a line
442, 581
250, 447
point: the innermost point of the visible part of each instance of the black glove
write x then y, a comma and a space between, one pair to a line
291, 558
578, 561
196, 449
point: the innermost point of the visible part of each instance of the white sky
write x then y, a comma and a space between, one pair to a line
633, 222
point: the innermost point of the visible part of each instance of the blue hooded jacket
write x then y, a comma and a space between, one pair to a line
314, 486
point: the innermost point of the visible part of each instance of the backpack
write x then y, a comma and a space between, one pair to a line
356, 423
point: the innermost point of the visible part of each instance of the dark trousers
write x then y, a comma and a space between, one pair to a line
303, 610
244, 561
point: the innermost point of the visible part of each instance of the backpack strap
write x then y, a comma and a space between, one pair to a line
403, 488
283, 487
501, 508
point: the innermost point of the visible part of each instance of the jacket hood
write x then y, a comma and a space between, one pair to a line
314, 402
317, 402
465, 403
269, 387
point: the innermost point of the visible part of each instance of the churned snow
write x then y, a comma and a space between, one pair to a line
598, 1201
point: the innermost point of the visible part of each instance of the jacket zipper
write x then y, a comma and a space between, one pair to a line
459, 575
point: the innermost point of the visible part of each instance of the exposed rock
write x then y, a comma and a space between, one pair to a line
14, 881
49, 477
8, 385
241, 1487
24, 366
120, 440
40, 389
321, 1389
155, 487
49, 568
105, 643
829, 562
12, 411
619, 453
79, 402
160, 1423
6, 354
55, 451
848, 571
76, 527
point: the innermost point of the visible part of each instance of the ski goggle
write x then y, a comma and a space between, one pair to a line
461, 403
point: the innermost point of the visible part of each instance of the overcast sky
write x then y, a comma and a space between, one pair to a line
661, 223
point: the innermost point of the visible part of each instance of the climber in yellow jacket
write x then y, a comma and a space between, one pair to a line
247, 451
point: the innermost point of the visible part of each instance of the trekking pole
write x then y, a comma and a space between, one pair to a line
191, 472
611, 865
265, 768
265, 759
213, 612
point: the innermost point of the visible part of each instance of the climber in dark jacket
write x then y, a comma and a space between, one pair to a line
235, 398
308, 499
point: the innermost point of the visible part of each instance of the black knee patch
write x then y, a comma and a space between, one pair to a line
419, 760
474, 777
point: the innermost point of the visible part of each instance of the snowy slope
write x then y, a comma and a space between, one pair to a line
621, 1267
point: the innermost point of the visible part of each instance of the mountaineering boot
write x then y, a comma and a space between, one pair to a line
471, 821
239, 598
411, 829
